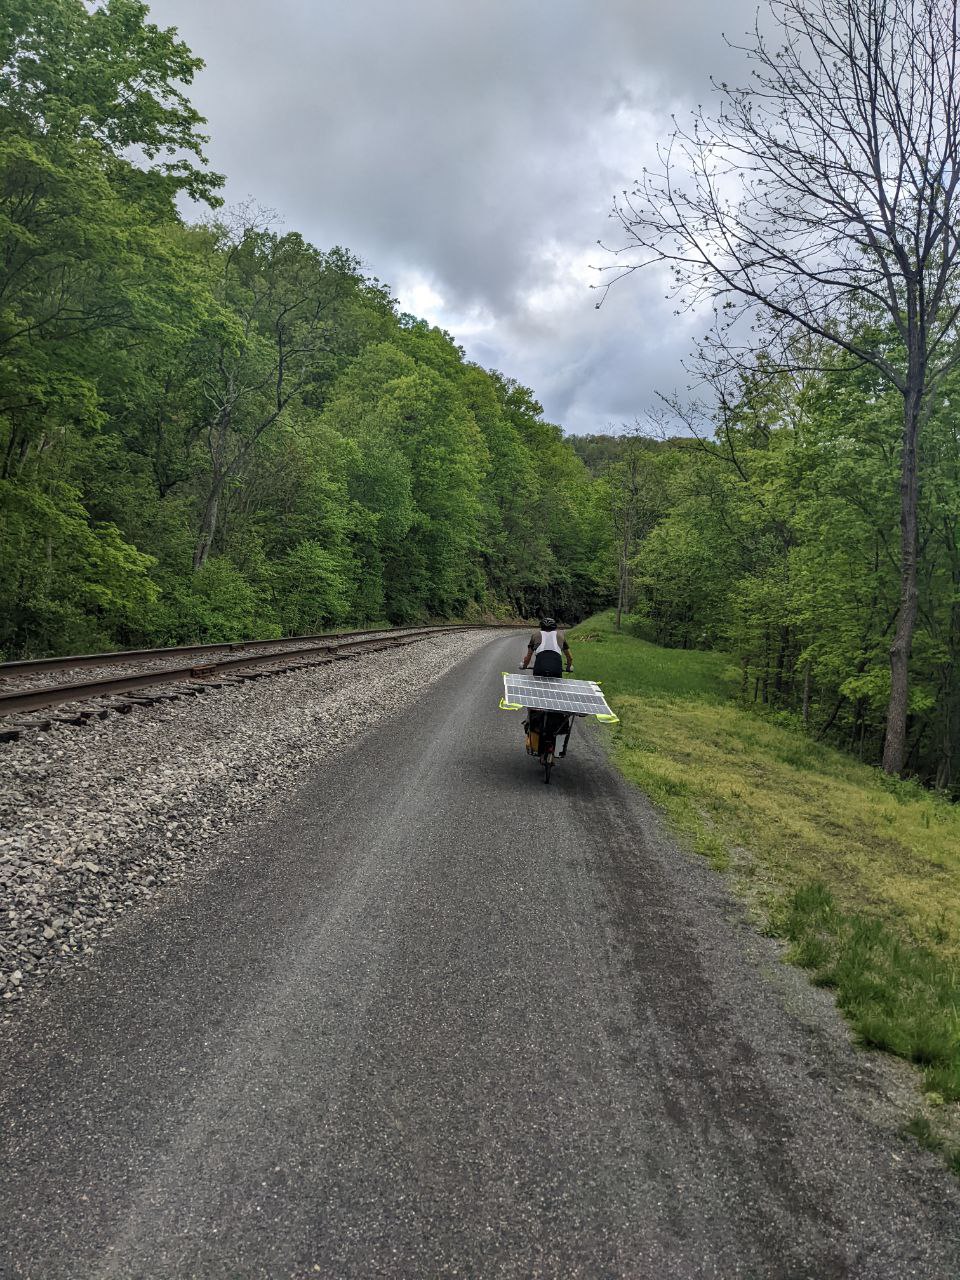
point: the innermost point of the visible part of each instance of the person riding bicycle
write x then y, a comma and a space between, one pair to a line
548, 647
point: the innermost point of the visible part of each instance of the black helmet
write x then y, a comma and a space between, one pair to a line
548, 624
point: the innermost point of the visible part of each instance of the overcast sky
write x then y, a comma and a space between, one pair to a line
468, 151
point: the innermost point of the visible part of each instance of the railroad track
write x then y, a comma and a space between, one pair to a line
26, 687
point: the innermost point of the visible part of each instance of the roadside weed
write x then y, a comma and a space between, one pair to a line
859, 872
899, 995
922, 1130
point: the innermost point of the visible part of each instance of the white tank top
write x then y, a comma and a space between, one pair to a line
548, 643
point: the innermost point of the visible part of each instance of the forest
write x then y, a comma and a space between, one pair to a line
212, 429
770, 531
219, 430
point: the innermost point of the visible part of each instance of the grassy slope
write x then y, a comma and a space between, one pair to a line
860, 873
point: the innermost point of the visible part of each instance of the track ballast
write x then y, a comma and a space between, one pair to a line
40, 685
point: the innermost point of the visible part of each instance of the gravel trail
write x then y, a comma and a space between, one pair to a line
432, 1018
96, 819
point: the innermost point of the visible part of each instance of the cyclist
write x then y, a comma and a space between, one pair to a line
547, 648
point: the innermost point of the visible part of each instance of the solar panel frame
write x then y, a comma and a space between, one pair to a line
543, 693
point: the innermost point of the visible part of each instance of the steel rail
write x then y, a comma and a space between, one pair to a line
121, 657
309, 655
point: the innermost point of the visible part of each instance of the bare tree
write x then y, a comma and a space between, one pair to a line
825, 195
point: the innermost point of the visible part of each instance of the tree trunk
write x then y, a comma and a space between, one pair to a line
208, 525
765, 682
945, 752
8, 456
622, 601
896, 731
807, 679
824, 728
781, 659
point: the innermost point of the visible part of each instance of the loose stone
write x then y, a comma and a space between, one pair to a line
102, 819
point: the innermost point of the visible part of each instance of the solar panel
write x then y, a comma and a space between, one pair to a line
542, 693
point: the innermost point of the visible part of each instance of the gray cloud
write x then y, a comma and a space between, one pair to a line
469, 154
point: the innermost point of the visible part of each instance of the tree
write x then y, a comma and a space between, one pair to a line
630, 488
846, 151
277, 338
215, 431
96, 141
81, 235
509, 491
105, 77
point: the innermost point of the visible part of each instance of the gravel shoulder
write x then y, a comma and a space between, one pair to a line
98, 819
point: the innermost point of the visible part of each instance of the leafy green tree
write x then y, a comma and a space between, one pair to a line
311, 587
845, 144
217, 431
66, 583
509, 494
279, 338
77, 218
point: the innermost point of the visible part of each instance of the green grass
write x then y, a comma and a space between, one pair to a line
920, 1129
858, 872
626, 665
